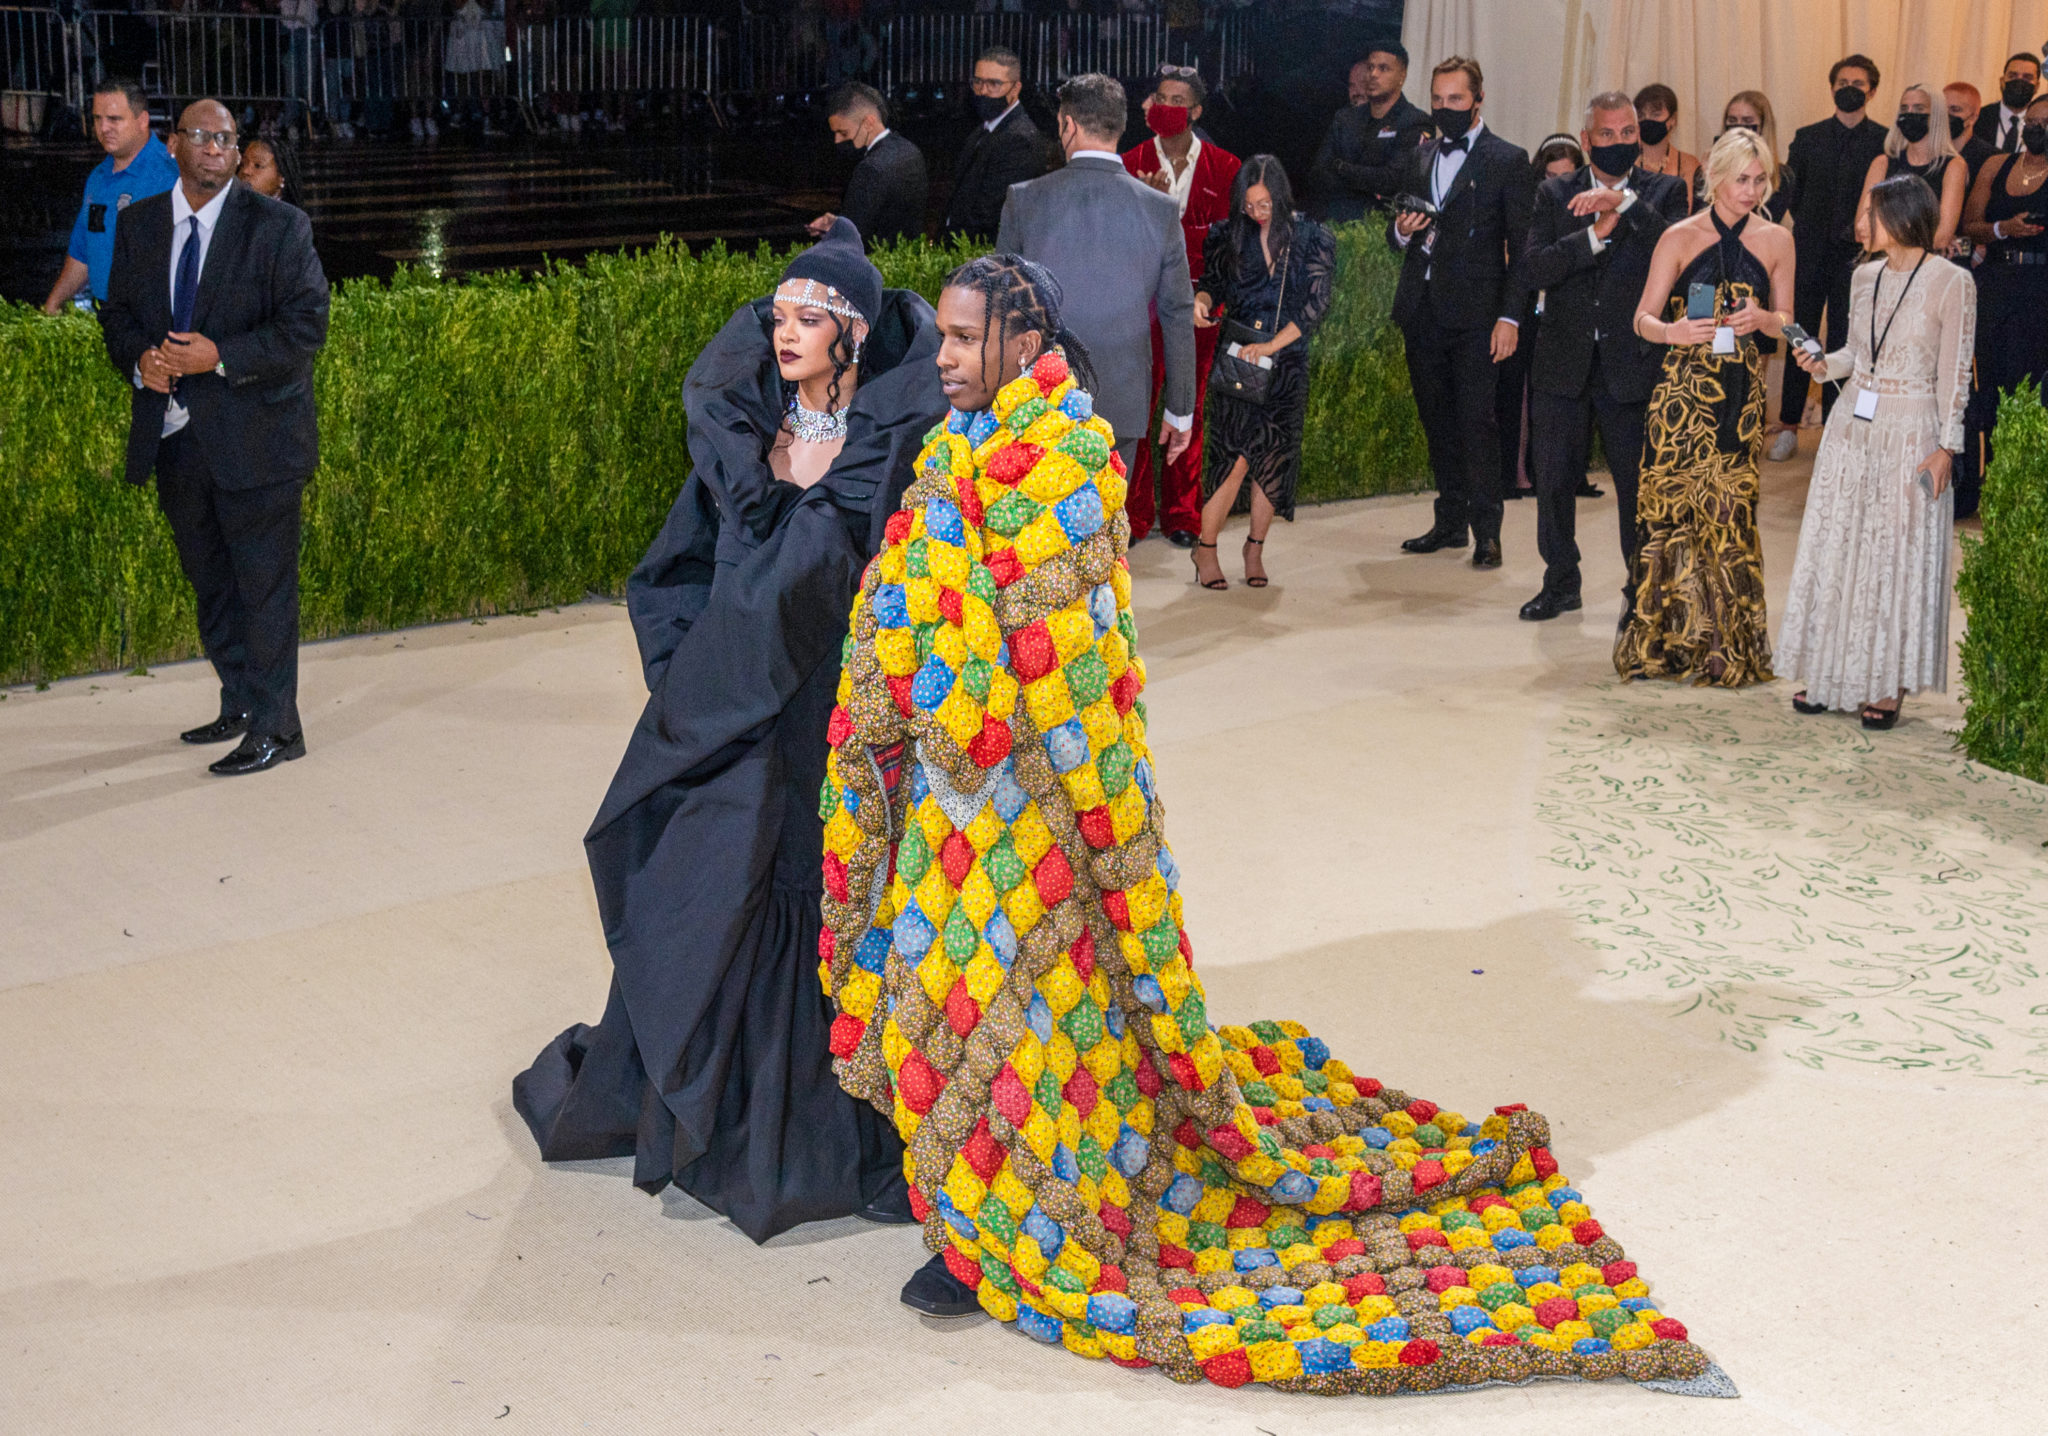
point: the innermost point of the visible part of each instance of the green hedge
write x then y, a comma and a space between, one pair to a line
2004, 591
491, 445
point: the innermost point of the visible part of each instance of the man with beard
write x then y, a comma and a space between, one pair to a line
216, 307
1005, 148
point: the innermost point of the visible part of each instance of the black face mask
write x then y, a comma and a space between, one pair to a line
1654, 132
989, 107
1849, 99
1452, 124
1615, 161
2034, 135
845, 147
1956, 127
1913, 127
2016, 93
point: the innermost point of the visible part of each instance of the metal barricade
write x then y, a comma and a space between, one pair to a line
38, 64
639, 55
767, 57
183, 57
920, 51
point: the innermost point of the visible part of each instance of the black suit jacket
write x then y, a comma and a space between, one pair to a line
990, 162
1585, 294
1471, 277
886, 195
1974, 152
1831, 160
1364, 161
1986, 128
262, 301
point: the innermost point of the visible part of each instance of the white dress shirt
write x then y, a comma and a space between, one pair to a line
2009, 122
1181, 182
182, 215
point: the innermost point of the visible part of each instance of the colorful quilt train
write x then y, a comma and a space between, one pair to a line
1015, 989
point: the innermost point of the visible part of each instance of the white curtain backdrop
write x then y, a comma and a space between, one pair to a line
1543, 58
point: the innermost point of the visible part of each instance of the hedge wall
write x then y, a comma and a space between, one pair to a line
493, 445
2004, 589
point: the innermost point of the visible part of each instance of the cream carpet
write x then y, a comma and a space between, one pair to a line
1776, 982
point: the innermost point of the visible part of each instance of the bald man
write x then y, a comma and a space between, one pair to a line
216, 306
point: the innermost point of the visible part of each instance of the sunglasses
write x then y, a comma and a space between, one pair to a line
1178, 72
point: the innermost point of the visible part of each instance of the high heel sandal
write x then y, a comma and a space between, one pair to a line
1800, 705
1217, 583
1249, 581
1878, 719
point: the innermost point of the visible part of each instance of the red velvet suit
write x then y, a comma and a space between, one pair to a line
1208, 201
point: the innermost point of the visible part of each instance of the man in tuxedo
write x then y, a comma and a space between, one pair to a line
1005, 148
1459, 300
2000, 128
1116, 247
885, 195
1365, 155
1831, 157
1590, 242
216, 306
1199, 176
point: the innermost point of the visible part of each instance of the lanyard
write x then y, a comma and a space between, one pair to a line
1876, 290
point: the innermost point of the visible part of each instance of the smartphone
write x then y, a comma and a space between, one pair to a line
1699, 301
1926, 481
1800, 339
1415, 204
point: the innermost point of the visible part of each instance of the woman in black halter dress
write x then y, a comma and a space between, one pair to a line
2008, 218
1698, 579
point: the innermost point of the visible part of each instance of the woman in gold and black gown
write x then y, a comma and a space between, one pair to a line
1697, 605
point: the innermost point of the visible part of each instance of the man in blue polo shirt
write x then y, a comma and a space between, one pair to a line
137, 166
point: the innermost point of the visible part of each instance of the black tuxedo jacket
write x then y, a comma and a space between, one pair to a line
886, 196
990, 162
1831, 160
1364, 161
1470, 278
1986, 128
1585, 294
262, 301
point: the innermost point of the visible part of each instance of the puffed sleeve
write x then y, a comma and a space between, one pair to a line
1319, 269
1957, 314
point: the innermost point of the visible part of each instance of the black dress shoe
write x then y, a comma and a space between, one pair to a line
937, 1292
1587, 490
259, 751
227, 726
1180, 538
1547, 605
1434, 540
891, 1206
1486, 554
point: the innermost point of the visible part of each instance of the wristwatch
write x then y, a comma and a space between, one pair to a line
221, 368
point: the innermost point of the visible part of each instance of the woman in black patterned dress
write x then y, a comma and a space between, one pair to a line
1268, 271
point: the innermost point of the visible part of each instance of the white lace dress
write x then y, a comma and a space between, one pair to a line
1867, 616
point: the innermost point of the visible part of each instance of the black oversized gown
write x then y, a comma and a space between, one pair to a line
710, 1065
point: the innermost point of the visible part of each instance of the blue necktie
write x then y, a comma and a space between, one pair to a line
185, 293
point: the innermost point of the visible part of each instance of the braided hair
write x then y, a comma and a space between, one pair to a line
1022, 297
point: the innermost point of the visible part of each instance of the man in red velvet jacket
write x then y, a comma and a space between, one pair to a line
1200, 176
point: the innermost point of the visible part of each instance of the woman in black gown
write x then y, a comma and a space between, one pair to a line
711, 1064
2007, 216
1267, 274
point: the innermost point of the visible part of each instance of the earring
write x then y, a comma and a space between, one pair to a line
858, 345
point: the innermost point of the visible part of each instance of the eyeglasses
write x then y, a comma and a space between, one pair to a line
209, 139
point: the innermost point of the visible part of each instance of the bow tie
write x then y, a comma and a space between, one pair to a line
1463, 143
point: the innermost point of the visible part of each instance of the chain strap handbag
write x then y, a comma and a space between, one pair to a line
1243, 379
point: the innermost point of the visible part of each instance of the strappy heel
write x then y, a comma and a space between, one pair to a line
1800, 704
1261, 580
1878, 719
1217, 583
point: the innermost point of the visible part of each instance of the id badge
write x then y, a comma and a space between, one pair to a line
1866, 404
1724, 339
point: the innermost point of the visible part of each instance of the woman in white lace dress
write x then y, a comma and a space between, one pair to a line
1867, 619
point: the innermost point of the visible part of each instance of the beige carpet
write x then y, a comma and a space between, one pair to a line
1775, 982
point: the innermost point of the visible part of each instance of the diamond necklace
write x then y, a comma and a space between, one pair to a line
815, 427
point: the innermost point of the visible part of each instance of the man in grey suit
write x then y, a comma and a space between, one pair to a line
1115, 245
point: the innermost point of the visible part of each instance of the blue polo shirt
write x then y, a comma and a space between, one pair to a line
108, 191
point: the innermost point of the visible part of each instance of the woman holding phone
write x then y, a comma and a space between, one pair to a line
1720, 280
2008, 218
1866, 621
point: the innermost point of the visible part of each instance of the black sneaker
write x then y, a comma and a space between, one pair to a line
937, 1292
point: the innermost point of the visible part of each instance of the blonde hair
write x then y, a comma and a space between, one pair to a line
1760, 102
1731, 155
1895, 141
